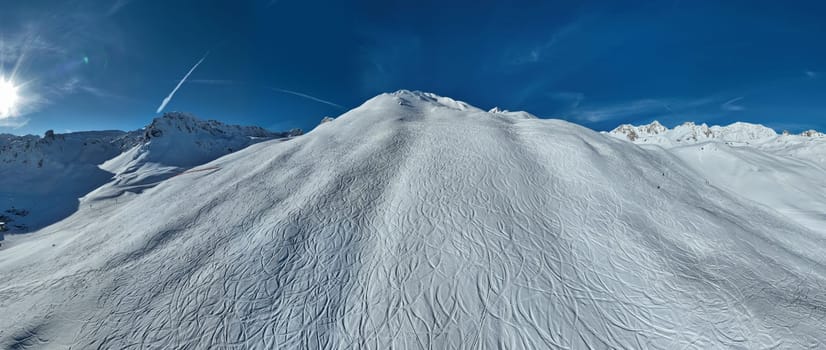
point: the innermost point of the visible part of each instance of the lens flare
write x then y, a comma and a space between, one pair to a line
8, 98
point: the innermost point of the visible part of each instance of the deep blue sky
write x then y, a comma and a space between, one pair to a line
109, 64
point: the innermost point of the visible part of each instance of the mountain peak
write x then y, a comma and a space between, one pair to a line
408, 97
63, 167
182, 122
634, 132
427, 100
690, 132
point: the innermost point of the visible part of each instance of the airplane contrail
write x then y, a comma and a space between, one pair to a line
291, 92
169, 98
296, 93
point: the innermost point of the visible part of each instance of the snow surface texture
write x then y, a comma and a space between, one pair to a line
785, 173
416, 221
43, 177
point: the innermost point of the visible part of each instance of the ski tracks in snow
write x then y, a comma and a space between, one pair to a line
439, 228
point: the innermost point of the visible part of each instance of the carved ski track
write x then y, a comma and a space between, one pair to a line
411, 224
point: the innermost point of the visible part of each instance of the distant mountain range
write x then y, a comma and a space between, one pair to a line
47, 174
740, 133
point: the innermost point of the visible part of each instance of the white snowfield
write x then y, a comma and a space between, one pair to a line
416, 221
785, 173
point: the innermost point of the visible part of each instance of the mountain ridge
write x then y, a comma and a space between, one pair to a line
688, 132
64, 167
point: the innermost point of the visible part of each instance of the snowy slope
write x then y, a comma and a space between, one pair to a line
784, 172
43, 177
416, 221
176, 142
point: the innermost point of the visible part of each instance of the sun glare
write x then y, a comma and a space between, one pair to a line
8, 98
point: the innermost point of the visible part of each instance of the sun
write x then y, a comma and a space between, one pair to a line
8, 98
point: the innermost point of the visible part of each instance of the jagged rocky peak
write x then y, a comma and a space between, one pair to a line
692, 132
635, 132
626, 129
655, 128
169, 121
59, 149
95, 147
181, 122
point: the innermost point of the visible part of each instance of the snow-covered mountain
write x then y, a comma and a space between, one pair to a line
175, 142
783, 172
656, 133
45, 176
808, 146
418, 221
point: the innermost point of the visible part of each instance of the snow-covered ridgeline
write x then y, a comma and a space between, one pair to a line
737, 133
46, 175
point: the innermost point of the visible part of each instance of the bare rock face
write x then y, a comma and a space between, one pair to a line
628, 130
633, 132
655, 128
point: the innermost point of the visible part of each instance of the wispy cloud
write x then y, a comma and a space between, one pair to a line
13, 122
313, 98
732, 105
811, 74
545, 50
620, 111
285, 91
574, 99
14, 49
541, 51
77, 85
172, 94
117, 5
636, 109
